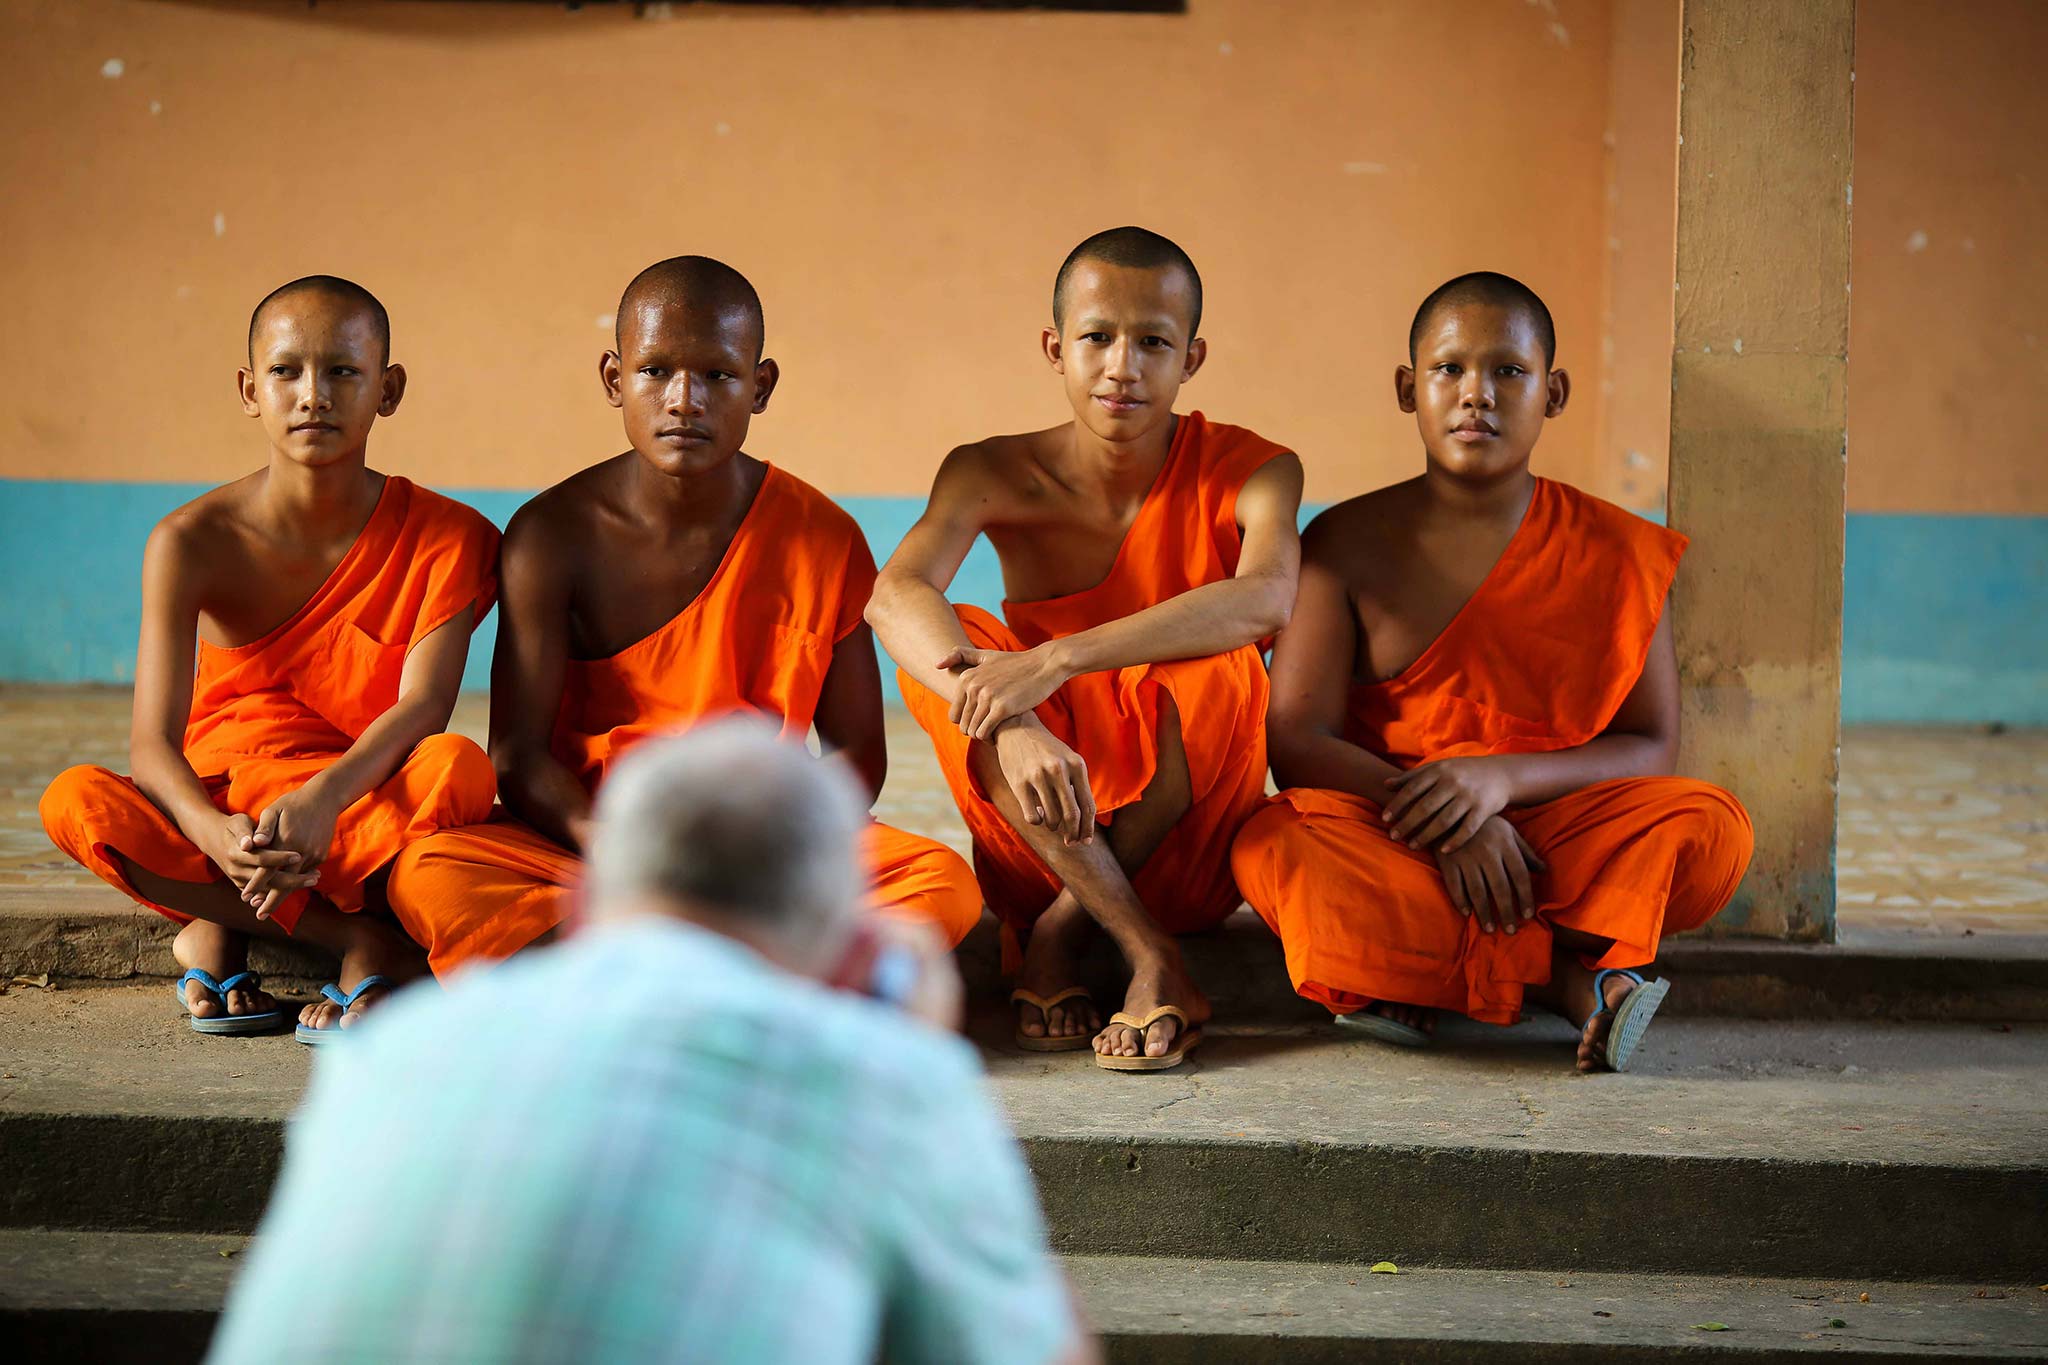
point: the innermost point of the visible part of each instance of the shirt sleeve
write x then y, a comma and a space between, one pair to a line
460, 560
974, 1281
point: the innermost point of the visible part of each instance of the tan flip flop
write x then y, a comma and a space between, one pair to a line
1045, 1007
1184, 1042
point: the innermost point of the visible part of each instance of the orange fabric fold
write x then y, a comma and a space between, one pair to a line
1185, 535
268, 715
1538, 660
759, 637
483, 893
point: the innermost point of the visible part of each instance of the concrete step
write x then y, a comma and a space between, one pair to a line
94, 934
152, 1298
1882, 1150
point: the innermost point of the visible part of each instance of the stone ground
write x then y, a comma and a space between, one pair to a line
1833, 1162
1943, 831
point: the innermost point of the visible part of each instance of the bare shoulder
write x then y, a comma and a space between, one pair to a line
1353, 536
206, 540
992, 475
560, 525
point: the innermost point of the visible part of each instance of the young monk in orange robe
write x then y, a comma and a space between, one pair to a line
1144, 557
332, 608
677, 582
1475, 713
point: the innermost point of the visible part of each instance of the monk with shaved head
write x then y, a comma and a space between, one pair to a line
304, 630
676, 582
1104, 738
1475, 717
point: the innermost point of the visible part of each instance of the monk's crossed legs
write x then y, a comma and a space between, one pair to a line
1096, 892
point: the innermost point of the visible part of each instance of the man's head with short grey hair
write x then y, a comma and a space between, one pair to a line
734, 821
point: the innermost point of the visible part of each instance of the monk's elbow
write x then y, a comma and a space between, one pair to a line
1275, 607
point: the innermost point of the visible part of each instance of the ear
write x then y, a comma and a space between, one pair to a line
1049, 342
766, 375
1404, 387
1198, 351
609, 367
394, 390
245, 384
1560, 393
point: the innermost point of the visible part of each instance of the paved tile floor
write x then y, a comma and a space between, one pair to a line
1942, 831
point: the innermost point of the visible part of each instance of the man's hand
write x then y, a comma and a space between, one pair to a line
1448, 800
905, 963
997, 685
1491, 876
301, 822
233, 848
1049, 780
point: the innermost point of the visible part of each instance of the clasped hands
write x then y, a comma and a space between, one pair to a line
1453, 806
998, 691
280, 851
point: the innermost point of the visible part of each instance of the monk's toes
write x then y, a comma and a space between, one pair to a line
1030, 1023
200, 1005
1159, 1038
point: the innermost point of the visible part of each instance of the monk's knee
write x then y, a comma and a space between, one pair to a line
1260, 847
464, 772
67, 800
1719, 840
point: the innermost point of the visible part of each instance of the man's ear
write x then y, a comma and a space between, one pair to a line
1049, 342
393, 392
1198, 351
1560, 393
609, 366
766, 375
245, 384
1404, 387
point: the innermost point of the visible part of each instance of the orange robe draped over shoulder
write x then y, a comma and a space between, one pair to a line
269, 715
759, 637
1185, 535
1539, 659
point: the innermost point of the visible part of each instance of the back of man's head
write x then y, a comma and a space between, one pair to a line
736, 828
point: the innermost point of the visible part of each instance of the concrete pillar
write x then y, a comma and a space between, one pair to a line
1759, 406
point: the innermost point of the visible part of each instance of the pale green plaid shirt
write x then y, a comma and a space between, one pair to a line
647, 1145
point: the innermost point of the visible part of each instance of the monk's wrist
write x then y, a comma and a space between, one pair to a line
1060, 658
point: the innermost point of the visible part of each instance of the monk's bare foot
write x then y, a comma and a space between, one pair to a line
220, 953
376, 950
1414, 1016
1155, 981
1052, 963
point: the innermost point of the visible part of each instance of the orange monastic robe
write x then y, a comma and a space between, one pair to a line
1185, 535
268, 715
1540, 659
759, 637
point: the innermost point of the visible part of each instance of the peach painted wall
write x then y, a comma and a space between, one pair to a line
900, 185
1948, 315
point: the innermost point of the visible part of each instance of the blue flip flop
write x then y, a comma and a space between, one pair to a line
1631, 1017
320, 1037
226, 1023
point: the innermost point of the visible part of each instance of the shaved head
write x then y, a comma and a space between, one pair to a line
707, 284
1489, 290
1133, 248
333, 286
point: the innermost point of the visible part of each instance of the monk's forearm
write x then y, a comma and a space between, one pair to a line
380, 751
1303, 758
1536, 778
167, 779
916, 624
1212, 619
539, 789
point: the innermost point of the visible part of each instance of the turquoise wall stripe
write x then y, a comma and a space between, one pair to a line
1943, 619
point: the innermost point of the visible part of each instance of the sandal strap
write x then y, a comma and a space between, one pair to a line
217, 989
1046, 1004
332, 990
1132, 1021
1600, 990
